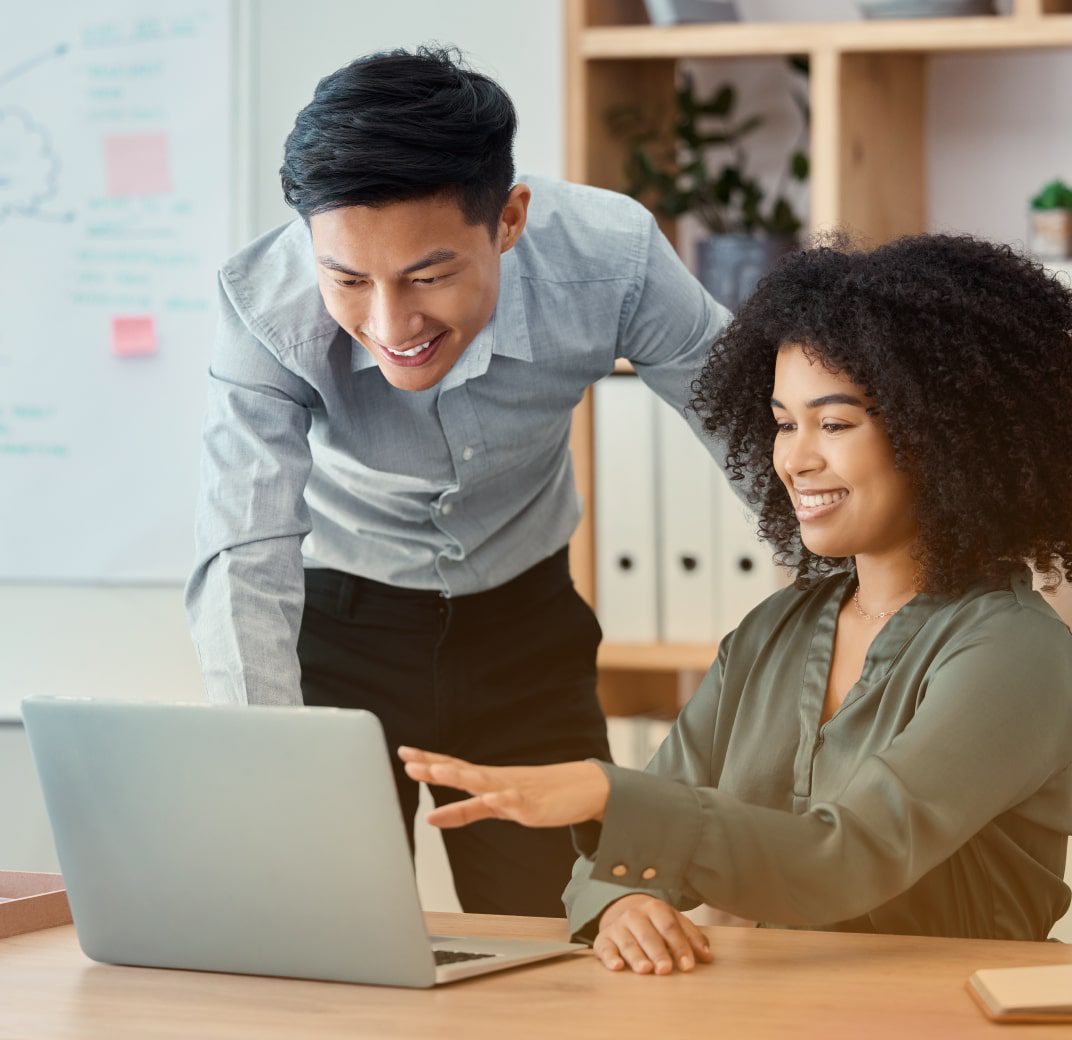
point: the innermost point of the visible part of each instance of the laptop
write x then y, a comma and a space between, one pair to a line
249, 839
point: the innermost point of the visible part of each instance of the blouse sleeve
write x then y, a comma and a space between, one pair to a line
682, 764
993, 724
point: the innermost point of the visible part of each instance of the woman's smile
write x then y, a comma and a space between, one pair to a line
814, 505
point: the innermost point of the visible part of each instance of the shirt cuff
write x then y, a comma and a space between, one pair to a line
651, 827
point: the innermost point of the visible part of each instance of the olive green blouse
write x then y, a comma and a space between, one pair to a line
936, 801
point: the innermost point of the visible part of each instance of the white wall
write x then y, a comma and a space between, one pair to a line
294, 45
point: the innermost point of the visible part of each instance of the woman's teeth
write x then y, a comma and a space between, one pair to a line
826, 499
412, 352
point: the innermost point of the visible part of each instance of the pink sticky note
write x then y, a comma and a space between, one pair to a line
134, 336
137, 164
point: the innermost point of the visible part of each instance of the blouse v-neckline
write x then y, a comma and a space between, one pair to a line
887, 645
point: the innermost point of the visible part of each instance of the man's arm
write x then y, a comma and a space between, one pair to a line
668, 324
246, 594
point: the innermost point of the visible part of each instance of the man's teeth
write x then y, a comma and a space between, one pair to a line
827, 499
413, 351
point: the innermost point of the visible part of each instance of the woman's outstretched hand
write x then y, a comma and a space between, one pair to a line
535, 796
648, 935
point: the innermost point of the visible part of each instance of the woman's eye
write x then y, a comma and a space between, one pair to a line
784, 427
832, 427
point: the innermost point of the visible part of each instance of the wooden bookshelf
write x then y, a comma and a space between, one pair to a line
868, 162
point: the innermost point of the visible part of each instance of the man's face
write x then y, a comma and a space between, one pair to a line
413, 282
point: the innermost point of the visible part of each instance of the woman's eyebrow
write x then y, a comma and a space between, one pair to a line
820, 401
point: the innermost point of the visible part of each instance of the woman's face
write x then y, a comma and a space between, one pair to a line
832, 453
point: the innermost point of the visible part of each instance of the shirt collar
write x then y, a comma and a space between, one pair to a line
506, 333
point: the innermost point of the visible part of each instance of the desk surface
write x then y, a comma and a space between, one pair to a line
764, 983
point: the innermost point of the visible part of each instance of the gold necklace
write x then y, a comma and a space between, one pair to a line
864, 614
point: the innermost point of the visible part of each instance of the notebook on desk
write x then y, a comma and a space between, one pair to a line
257, 840
1036, 994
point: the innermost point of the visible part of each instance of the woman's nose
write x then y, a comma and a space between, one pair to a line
802, 455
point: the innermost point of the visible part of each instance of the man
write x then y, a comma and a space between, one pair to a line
387, 490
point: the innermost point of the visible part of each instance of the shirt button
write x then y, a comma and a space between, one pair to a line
619, 870
447, 509
467, 454
648, 873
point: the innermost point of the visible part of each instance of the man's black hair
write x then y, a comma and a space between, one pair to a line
397, 126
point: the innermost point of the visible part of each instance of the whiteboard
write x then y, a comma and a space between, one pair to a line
116, 174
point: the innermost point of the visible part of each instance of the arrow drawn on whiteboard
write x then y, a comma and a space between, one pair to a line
53, 52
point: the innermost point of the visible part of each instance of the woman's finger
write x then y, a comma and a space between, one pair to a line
607, 951
697, 940
632, 952
458, 814
412, 754
651, 942
671, 926
454, 773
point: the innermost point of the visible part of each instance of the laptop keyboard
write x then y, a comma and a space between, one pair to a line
454, 956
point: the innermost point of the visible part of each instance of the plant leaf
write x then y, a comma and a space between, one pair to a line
745, 128
721, 102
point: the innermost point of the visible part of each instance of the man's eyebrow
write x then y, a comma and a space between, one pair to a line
820, 401
437, 256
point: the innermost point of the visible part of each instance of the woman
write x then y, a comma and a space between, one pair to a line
886, 745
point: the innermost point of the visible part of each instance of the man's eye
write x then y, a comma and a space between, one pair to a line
345, 281
426, 281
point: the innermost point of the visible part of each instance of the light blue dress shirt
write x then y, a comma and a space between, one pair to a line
312, 459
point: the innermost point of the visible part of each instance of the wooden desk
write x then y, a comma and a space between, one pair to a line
763, 984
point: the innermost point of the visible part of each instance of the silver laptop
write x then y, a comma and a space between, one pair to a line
260, 840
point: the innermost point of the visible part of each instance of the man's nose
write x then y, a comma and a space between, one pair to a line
392, 321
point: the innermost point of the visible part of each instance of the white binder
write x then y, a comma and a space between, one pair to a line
746, 573
626, 564
686, 476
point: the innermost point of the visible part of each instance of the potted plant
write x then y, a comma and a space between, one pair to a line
692, 160
1051, 221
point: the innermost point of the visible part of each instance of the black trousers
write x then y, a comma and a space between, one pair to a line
503, 677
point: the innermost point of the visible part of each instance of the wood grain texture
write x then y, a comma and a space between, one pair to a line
916, 36
764, 983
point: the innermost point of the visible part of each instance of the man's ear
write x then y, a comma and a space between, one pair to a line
514, 215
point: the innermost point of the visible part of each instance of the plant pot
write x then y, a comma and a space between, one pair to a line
730, 266
674, 12
1051, 233
924, 8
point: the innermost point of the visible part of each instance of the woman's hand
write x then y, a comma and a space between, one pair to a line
649, 935
535, 796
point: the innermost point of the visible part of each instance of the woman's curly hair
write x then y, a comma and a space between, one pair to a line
966, 347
